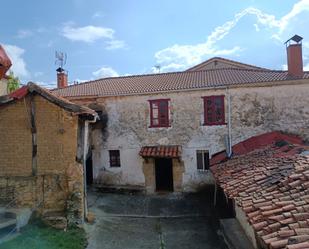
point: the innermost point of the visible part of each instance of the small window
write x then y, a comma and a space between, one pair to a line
214, 110
159, 113
114, 158
202, 159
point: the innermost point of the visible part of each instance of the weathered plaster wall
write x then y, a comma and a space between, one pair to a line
255, 110
243, 221
3, 87
58, 174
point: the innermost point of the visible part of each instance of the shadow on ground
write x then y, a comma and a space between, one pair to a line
167, 221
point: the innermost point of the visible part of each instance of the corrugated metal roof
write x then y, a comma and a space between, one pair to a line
177, 81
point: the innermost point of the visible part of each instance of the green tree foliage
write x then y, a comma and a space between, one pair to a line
13, 82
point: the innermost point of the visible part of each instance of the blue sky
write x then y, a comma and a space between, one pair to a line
109, 38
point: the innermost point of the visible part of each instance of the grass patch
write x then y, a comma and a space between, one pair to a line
39, 236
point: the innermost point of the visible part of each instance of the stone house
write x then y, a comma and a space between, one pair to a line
162, 129
40, 159
5, 64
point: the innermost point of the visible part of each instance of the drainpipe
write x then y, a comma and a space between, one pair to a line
229, 138
85, 147
229, 123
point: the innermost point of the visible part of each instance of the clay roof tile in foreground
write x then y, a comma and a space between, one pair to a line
177, 81
5, 62
62, 102
271, 185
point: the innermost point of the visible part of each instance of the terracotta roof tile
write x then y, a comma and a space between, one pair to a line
5, 62
57, 100
176, 81
170, 151
272, 190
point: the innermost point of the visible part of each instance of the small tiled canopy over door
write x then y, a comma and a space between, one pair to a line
162, 168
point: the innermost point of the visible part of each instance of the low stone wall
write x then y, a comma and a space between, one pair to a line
241, 217
46, 193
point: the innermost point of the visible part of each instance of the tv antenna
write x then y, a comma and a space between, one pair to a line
158, 68
61, 59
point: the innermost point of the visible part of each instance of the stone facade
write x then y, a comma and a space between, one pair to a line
58, 174
3, 87
256, 109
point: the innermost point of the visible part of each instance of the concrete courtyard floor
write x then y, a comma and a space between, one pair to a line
167, 221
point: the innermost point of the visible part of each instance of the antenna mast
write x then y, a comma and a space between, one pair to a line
61, 60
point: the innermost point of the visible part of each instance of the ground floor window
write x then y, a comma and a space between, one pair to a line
114, 158
202, 159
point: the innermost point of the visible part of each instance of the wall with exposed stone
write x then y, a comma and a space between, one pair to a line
3, 87
58, 175
254, 110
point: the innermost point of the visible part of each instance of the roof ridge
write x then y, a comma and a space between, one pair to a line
169, 73
227, 60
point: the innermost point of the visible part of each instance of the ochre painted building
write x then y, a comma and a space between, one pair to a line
38, 167
5, 64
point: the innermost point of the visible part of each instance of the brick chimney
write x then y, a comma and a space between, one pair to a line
62, 78
294, 54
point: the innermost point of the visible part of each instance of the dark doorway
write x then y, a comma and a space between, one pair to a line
164, 174
89, 171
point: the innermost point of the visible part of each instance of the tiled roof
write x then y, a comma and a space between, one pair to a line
5, 62
225, 61
57, 100
153, 83
170, 151
254, 143
271, 185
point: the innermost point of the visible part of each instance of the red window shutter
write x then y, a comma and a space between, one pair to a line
159, 113
214, 110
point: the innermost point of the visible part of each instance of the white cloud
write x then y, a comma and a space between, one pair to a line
38, 74
87, 34
178, 57
48, 85
18, 63
24, 33
115, 44
299, 7
97, 14
105, 72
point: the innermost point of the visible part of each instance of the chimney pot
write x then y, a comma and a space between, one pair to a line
294, 56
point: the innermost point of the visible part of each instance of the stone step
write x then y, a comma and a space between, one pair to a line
7, 222
7, 214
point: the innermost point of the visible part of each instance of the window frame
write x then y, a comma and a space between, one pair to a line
114, 163
160, 123
204, 166
213, 108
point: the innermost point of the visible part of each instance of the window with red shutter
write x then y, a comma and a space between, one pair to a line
214, 110
159, 113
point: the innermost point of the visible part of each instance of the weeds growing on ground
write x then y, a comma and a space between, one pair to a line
39, 236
